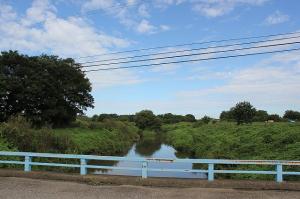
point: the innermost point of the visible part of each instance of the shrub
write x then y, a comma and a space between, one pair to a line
19, 133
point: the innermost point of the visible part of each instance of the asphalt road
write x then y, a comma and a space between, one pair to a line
22, 188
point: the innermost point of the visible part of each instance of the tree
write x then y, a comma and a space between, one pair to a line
147, 120
243, 112
227, 116
44, 89
292, 115
274, 117
206, 119
190, 118
260, 116
105, 116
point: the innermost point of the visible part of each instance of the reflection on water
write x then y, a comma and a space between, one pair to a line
153, 149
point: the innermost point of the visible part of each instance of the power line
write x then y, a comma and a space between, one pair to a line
194, 54
181, 51
193, 60
190, 44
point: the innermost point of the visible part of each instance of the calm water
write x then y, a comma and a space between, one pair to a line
153, 150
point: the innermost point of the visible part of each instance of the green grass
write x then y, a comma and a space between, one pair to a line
255, 141
98, 141
227, 140
85, 137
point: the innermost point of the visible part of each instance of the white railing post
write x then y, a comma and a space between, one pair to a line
144, 169
83, 170
27, 165
279, 177
210, 172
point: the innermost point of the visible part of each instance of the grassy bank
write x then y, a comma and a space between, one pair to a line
256, 141
83, 137
229, 141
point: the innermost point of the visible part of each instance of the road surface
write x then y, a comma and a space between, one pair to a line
22, 188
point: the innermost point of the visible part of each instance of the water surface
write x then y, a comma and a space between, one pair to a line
150, 150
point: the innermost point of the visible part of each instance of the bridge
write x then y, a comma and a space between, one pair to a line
27, 159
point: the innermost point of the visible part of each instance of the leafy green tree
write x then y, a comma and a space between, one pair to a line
260, 116
190, 118
170, 118
147, 120
105, 116
128, 118
243, 112
292, 115
274, 117
44, 89
227, 116
206, 119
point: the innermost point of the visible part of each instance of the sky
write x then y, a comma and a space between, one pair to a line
79, 28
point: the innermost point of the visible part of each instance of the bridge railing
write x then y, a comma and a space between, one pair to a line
211, 171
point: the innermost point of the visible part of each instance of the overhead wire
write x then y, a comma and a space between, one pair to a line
189, 44
194, 54
177, 51
191, 60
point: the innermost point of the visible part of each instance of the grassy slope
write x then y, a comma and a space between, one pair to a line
102, 138
99, 141
227, 140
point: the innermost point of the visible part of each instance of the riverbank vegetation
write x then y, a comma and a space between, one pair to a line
84, 137
225, 140
204, 138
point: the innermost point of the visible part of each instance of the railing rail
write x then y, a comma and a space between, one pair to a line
211, 171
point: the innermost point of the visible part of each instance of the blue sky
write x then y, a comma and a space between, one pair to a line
76, 28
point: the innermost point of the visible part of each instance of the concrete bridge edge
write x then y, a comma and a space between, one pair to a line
153, 182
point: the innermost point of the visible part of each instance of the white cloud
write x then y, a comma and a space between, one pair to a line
106, 79
143, 11
40, 30
272, 84
97, 4
145, 27
164, 27
216, 8
126, 14
165, 3
211, 8
276, 18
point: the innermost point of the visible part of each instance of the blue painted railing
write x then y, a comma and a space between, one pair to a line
211, 171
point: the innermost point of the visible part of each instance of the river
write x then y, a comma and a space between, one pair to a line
150, 150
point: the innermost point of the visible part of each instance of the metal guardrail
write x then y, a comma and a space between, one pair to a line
211, 171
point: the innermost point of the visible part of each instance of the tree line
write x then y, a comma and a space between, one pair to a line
241, 113
244, 112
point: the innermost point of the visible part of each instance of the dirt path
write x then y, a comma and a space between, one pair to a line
15, 188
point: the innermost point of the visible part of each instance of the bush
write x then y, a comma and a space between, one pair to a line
206, 119
19, 133
147, 120
292, 115
243, 112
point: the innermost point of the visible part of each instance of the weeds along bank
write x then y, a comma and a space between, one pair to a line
195, 139
230, 141
225, 140
83, 137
